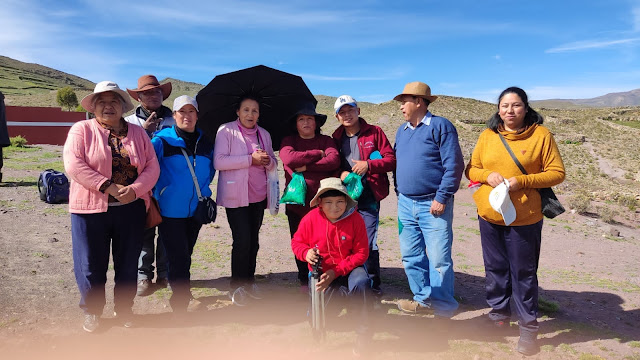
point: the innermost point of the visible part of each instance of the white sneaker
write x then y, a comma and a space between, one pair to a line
239, 296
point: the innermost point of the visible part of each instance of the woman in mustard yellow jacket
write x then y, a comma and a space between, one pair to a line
511, 252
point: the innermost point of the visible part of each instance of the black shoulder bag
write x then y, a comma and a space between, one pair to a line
551, 206
206, 210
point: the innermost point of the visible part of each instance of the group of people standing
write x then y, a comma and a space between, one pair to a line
117, 163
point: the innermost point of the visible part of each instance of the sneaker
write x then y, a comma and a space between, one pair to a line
91, 323
239, 297
163, 283
377, 291
255, 292
413, 307
528, 343
144, 287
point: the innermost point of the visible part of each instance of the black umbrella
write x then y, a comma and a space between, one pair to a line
279, 94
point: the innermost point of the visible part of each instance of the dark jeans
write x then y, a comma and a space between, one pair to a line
303, 268
354, 291
371, 220
511, 255
179, 237
94, 237
245, 223
150, 252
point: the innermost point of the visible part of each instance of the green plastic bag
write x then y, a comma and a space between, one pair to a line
353, 183
296, 191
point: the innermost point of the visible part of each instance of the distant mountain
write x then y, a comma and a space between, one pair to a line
627, 98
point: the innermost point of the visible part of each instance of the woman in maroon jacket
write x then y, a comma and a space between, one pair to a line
316, 157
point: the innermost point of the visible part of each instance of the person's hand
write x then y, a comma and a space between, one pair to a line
360, 167
325, 280
151, 124
323, 153
344, 175
513, 184
260, 158
126, 195
437, 208
312, 256
494, 179
301, 168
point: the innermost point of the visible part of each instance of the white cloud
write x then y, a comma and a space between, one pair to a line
590, 44
497, 57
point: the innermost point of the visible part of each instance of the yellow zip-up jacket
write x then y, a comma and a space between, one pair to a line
538, 153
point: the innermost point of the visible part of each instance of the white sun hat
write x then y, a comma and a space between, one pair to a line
501, 202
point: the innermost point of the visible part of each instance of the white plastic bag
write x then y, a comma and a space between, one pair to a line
273, 187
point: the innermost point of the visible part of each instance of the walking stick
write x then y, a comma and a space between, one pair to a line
317, 302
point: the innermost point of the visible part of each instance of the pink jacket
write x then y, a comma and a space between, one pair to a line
87, 161
232, 162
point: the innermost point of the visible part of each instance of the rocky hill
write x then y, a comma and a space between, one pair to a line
627, 98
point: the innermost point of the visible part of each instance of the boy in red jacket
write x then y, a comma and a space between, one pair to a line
336, 232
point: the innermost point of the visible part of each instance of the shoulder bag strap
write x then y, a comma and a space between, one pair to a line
193, 173
513, 156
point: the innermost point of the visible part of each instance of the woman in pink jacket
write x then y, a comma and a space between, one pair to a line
242, 155
112, 167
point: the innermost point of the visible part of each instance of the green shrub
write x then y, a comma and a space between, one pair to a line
607, 214
580, 202
18, 141
628, 201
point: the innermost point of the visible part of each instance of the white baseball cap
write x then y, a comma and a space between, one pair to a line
344, 100
183, 100
501, 202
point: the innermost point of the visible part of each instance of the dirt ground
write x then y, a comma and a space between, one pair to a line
589, 286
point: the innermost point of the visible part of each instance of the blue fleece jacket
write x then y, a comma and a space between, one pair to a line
428, 159
175, 191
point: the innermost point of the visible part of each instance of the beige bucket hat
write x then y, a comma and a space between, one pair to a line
332, 183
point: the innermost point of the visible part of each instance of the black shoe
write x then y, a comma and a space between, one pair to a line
163, 283
528, 343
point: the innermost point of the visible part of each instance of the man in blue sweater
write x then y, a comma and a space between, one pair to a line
428, 172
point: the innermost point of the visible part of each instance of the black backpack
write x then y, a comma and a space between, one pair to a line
53, 187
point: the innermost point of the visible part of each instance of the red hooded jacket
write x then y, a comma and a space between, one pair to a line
343, 245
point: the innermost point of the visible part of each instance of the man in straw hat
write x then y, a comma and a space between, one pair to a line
428, 173
152, 116
335, 234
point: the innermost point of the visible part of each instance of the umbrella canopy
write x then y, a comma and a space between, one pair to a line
279, 94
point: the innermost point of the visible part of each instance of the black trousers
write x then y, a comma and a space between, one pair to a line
179, 236
511, 255
245, 223
303, 268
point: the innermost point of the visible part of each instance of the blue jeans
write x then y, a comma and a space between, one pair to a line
371, 218
430, 276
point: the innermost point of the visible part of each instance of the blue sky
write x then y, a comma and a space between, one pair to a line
368, 49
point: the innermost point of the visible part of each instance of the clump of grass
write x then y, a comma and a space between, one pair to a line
547, 307
628, 201
607, 214
580, 202
18, 141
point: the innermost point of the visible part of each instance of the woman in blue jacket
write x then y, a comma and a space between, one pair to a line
177, 195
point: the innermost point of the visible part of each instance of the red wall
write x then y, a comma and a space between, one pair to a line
48, 125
